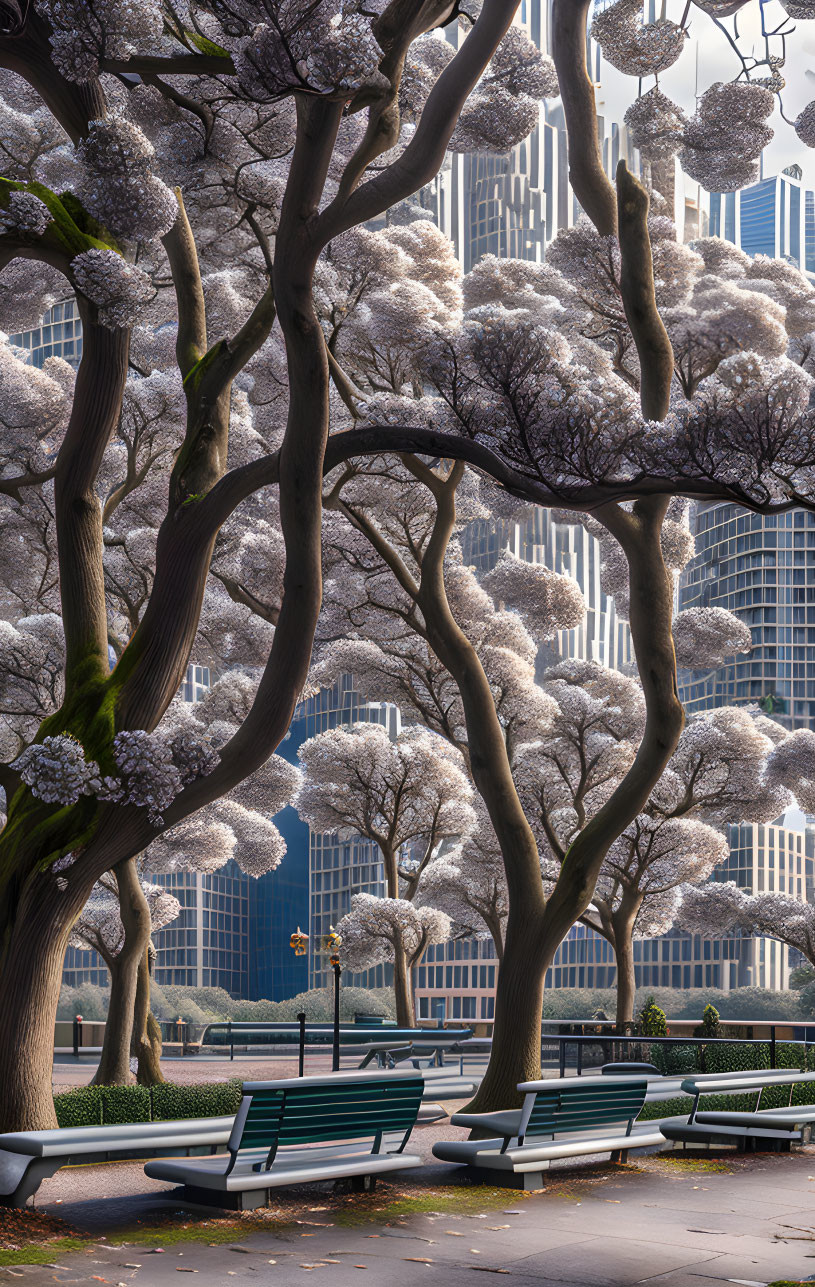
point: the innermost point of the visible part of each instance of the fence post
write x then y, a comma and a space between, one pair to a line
231, 1044
301, 1058
579, 1057
772, 1045
562, 1044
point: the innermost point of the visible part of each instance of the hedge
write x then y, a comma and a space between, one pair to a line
720, 1058
210, 1099
167, 1102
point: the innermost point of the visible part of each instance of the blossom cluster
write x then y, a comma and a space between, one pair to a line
82, 33
154, 769
634, 47
25, 215
118, 289
57, 771
327, 47
118, 186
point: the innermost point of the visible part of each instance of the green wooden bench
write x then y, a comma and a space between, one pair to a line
561, 1117
344, 1126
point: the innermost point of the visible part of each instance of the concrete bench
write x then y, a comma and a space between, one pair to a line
560, 1117
346, 1126
761, 1128
661, 1088
29, 1157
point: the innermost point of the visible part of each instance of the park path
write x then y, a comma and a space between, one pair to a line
669, 1219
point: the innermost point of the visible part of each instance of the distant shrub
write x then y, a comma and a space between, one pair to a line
651, 1020
710, 1025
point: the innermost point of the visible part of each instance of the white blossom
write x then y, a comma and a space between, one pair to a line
57, 771
117, 288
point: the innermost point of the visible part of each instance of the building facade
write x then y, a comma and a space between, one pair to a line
775, 217
59, 334
566, 548
762, 569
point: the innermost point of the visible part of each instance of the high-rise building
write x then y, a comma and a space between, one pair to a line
775, 217
59, 334
762, 569
569, 549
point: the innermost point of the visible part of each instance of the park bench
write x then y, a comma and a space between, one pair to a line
561, 1117
765, 1129
346, 1126
29, 1157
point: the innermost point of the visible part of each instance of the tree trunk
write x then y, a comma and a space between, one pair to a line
29, 995
516, 1035
403, 990
114, 1064
626, 983
147, 1043
623, 922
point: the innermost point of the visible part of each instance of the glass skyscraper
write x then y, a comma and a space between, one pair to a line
59, 334
762, 569
775, 217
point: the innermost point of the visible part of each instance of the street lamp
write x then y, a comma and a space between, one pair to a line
330, 944
299, 945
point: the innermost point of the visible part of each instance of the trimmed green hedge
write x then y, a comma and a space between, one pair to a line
675, 1061
116, 1105
733, 1058
210, 1099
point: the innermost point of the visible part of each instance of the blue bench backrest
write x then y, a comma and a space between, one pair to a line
581, 1108
303, 1113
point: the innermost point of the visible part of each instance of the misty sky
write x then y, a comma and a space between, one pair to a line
708, 58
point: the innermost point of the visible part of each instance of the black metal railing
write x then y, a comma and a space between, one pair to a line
617, 1048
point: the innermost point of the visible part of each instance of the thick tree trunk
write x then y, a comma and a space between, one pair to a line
147, 1043
403, 990
29, 994
516, 1033
36, 930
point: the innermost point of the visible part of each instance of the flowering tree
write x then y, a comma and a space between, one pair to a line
181, 172
721, 907
203, 160
390, 929
407, 796
724, 769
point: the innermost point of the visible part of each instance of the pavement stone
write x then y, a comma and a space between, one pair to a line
657, 1223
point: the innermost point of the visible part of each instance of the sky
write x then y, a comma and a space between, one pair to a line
708, 58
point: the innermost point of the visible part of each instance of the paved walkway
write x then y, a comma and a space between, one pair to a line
665, 1220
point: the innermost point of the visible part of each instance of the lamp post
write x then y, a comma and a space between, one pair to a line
330, 944
299, 944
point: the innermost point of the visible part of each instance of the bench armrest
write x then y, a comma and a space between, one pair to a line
501, 1125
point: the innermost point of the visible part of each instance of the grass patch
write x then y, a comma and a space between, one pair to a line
42, 1253
694, 1164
